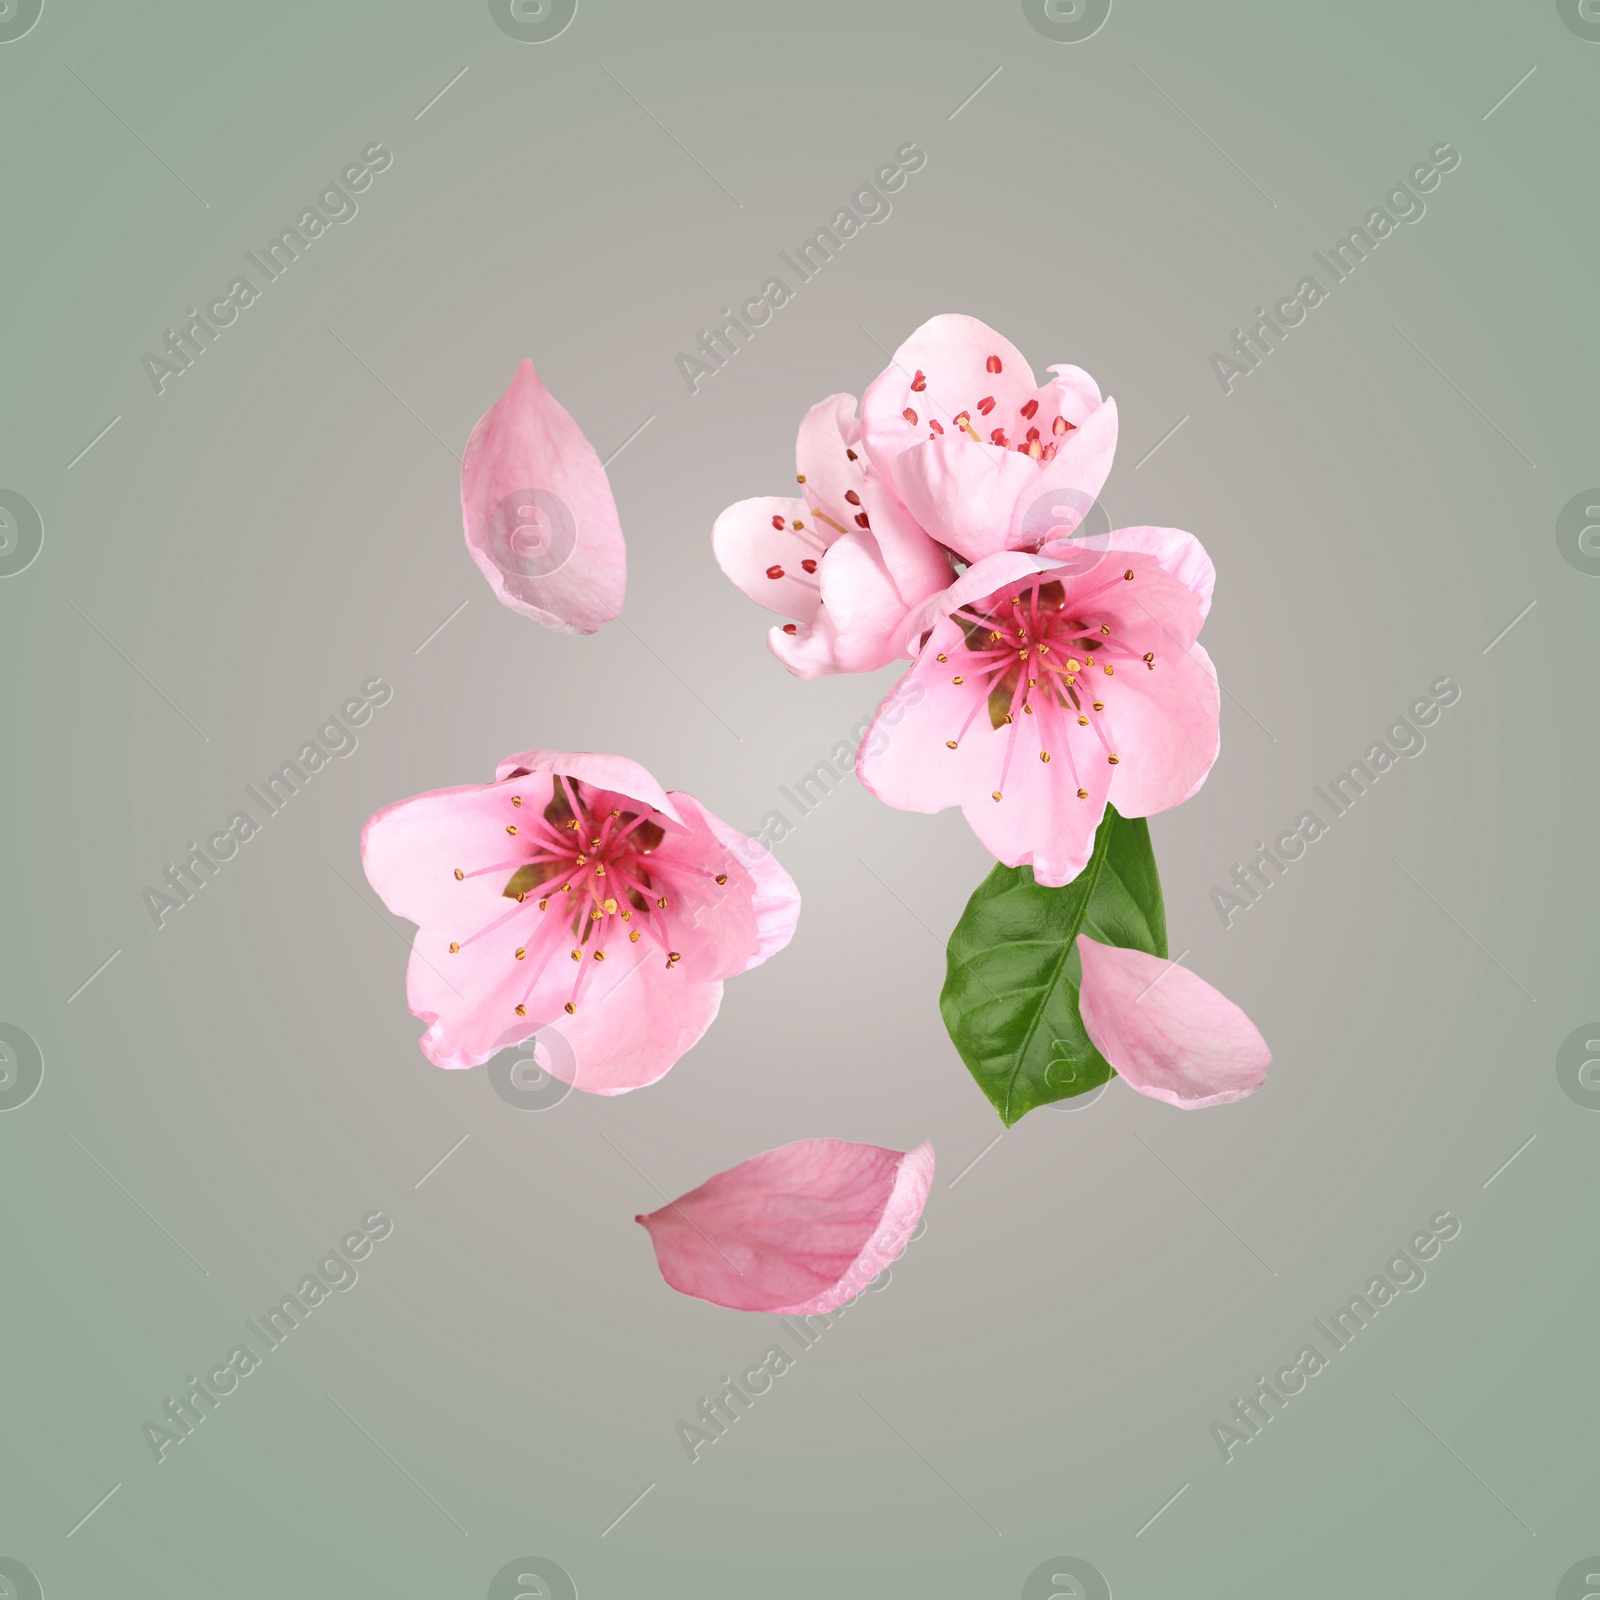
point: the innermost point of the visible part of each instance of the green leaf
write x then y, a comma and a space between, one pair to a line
1010, 999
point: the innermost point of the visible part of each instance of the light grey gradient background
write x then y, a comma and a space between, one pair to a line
233, 1092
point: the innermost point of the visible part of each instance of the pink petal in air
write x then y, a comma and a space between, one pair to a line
539, 516
1167, 1033
798, 1230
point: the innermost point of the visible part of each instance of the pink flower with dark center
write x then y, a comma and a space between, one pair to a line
1166, 1032
984, 458
843, 558
794, 1231
574, 891
539, 516
1044, 689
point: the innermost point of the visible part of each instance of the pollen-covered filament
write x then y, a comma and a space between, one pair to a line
1043, 662
588, 882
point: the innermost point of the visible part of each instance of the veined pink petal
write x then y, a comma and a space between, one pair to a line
576, 900
827, 462
798, 1230
1178, 553
1167, 1033
539, 515
619, 773
758, 545
975, 448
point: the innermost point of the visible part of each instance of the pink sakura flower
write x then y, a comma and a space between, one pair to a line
1046, 688
843, 558
574, 892
983, 458
795, 1231
539, 516
1167, 1033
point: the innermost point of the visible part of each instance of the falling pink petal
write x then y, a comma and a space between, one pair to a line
1167, 1033
539, 515
798, 1230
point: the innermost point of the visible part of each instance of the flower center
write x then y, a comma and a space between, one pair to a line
1044, 661
582, 878
986, 422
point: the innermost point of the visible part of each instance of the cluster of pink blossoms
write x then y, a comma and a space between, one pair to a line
1053, 672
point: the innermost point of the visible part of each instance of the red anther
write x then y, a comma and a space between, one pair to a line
788, 627
861, 520
986, 405
1049, 453
1060, 426
1029, 409
962, 416
852, 497
1033, 433
918, 383
808, 565
1034, 449
777, 522
933, 422
993, 363
774, 572
909, 415
999, 437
